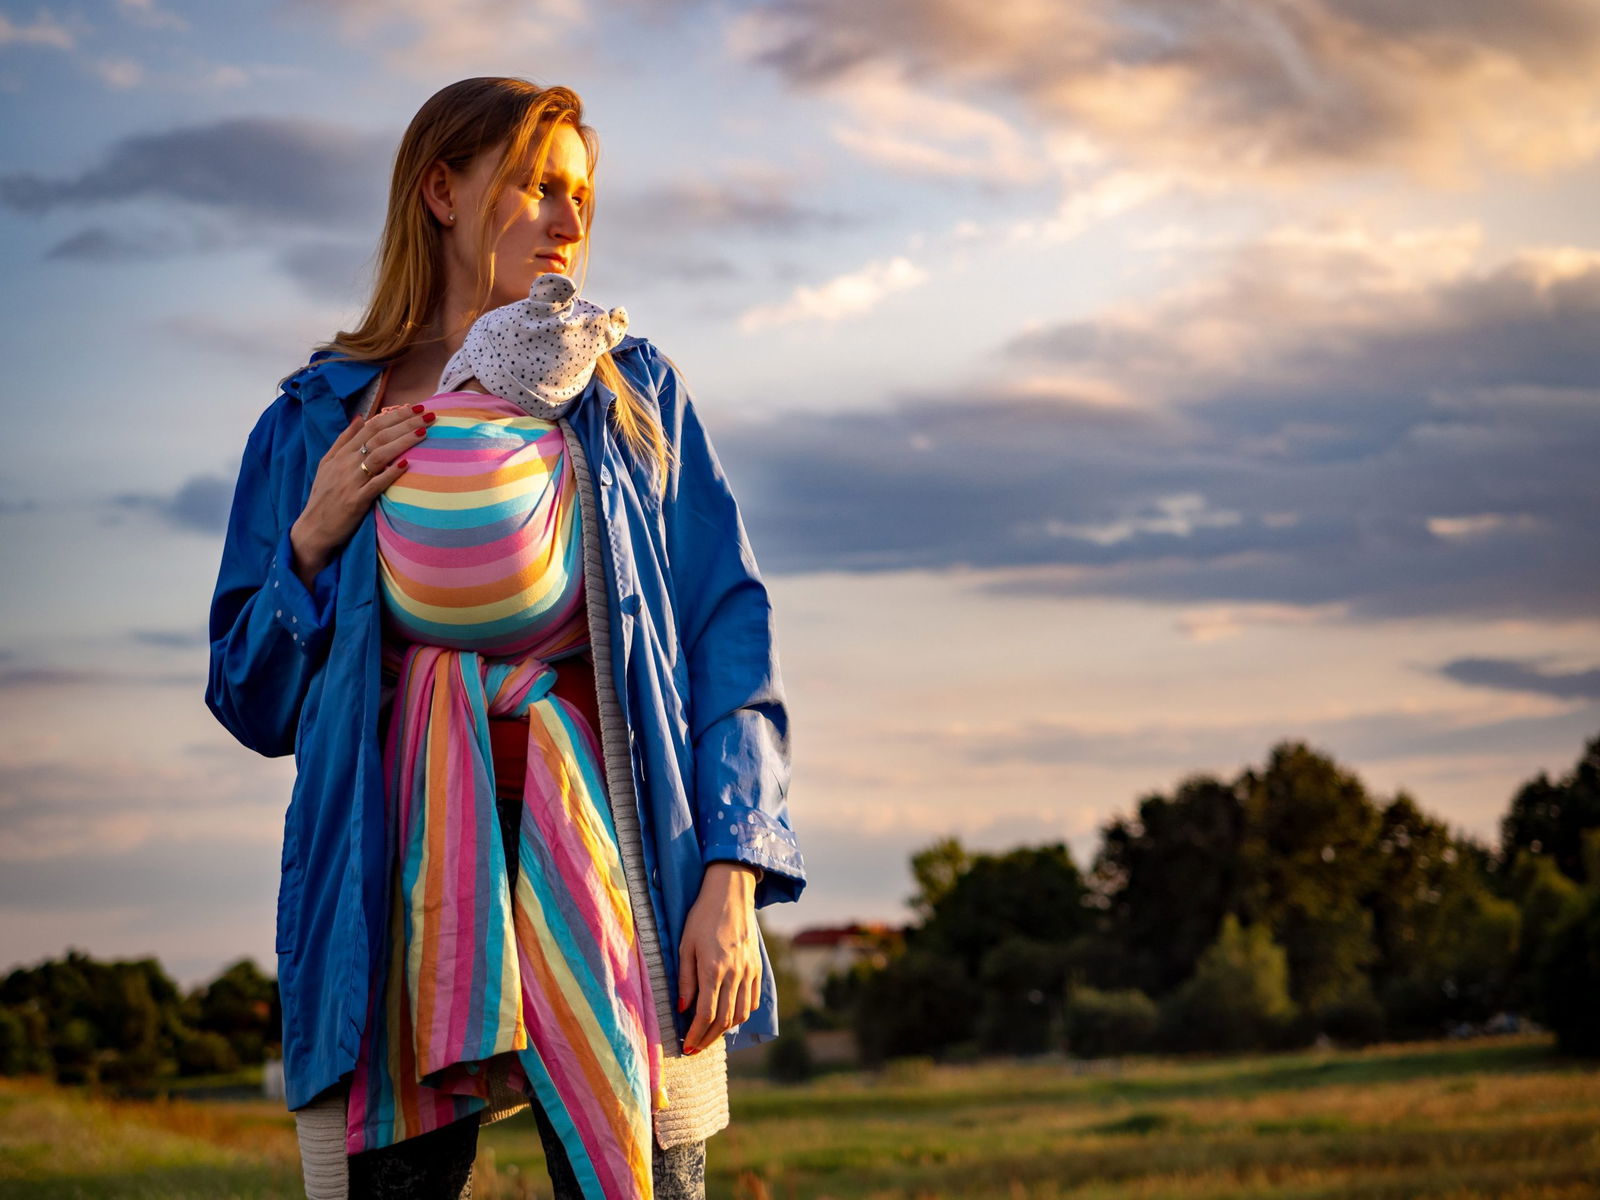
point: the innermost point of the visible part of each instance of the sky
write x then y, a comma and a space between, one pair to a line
1112, 390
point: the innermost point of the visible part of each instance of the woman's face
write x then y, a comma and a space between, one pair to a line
544, 221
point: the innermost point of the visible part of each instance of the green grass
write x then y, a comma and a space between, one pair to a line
1502, 1118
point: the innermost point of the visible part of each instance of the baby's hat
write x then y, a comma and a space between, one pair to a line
539, 352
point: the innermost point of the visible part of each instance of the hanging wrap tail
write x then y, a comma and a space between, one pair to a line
553, 971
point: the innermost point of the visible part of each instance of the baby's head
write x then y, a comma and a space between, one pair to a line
539, 349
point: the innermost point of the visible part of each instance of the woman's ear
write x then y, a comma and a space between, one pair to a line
438, 193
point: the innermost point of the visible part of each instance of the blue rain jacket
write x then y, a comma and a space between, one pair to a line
296, 670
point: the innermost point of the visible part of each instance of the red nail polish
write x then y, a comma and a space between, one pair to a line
416, 408
419, 432
403, 462
430, 416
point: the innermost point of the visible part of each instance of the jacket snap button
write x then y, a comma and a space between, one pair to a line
630, 602
605, 474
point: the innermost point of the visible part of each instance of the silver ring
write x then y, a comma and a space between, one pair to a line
365, 449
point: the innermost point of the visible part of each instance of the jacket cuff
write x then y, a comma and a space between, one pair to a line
306, 615
749, 835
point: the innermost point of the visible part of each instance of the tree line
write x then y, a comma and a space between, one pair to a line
121, 1025
1286, 905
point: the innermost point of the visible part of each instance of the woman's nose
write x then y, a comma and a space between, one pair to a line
568, 221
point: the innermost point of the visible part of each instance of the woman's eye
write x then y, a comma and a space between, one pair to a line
580, 200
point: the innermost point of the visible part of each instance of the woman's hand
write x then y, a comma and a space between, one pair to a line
342, 492
719, 959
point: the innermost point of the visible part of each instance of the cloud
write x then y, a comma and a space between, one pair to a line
200, 504
151, 15
1512, 676
284, 170
138, 243
32, 679
118, 73
107, 805
275, 342
332, 270
752, 198
425, 37
1327, 419
1247, 91
842, 296
1213, 623
1379, 735
680, 229
43, 30
922, 132
171, 639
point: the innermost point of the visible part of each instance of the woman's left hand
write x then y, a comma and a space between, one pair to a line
719, 959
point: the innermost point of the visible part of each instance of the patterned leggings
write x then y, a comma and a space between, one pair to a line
438, 1165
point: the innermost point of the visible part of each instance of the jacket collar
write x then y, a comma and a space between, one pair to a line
328, 377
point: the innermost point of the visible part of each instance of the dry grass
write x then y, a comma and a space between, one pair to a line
1503, 1118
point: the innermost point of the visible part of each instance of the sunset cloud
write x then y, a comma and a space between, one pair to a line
1284, 92
423, 37
290, 170
1327, 418
847, 295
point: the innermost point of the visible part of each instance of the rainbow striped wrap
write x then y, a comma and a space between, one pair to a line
480, 558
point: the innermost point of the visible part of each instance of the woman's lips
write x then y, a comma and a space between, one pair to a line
556, 263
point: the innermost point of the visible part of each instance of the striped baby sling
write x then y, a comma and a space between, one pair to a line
481, 576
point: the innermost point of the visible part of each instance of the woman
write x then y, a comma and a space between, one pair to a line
628, 754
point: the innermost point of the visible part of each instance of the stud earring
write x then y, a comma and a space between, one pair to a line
452, 216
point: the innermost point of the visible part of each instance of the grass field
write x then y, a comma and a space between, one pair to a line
1501, 1117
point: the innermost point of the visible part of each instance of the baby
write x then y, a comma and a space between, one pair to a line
537, 353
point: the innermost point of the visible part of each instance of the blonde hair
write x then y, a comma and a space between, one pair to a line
455, 125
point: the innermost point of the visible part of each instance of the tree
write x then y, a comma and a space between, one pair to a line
936, 868
920, 1003
1309, 866
1417, 865
1238, 997
1166, 878
238, 1005
1543, 895
1569, 972
1550, 818
1034, 892
1100, 1023
1024, 982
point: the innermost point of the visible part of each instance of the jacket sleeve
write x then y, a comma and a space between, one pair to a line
738, 716
269, 633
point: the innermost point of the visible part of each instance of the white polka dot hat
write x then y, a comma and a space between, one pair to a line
540, 352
